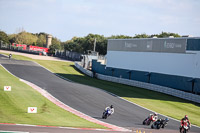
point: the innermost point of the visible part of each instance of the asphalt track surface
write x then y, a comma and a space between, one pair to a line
86, 99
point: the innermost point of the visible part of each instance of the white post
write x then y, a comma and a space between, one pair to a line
95, 44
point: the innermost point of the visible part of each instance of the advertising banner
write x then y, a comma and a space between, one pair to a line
167, 45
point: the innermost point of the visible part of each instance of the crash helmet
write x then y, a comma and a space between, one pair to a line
167, 119
111, 106
155, 114
186, 117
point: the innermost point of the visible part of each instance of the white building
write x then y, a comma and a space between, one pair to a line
172, 56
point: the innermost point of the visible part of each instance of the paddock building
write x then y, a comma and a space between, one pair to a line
170, 62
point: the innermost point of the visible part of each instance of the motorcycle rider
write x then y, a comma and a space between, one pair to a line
111, 109
153, 117
185, 121
166, 119
160, 123
10, 55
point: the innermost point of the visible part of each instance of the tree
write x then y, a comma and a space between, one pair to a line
4, 37
55, 45
55, 41
12, 38
101, 46
144, 35
25, 38
88, 43
75, 44
101, 43
166, 34
119, 37
41, 41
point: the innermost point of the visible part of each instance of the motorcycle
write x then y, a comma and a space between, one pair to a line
106, 113
184, 129
160, 123
147, 121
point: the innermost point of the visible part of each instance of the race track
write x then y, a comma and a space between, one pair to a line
86, 99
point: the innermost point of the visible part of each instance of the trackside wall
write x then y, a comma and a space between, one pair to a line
149, 86
172, 81
162, 89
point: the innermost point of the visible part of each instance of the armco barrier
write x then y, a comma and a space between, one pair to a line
153, 87
85, 71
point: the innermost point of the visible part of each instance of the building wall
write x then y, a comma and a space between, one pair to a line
173, 63
181, 64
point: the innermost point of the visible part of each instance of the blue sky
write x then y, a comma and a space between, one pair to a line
65, 19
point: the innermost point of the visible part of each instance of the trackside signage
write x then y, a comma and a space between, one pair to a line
167, 45
7, 88
32, 109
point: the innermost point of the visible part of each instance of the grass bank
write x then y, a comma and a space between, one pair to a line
14, 105
161, 103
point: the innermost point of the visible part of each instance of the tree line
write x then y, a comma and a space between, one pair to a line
76, 44
83, 44
23, 37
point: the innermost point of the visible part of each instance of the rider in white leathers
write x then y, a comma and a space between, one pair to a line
111, 109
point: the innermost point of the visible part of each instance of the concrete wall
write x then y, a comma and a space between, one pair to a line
166, 90
85, 71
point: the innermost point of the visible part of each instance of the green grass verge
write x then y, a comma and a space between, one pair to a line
14, 105
161, 103
18, 57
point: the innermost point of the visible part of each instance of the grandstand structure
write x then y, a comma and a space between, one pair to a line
170, 62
